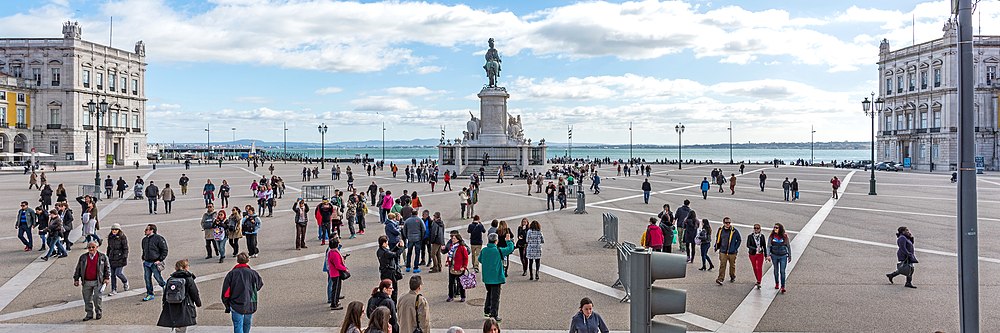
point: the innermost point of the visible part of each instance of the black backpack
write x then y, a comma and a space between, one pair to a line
175, 291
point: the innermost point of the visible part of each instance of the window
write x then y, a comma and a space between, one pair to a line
923, 120
56, 76
899, 122
991, 74
20, 97
86, 117
937, 118
888, 86
3, 116
937, 77
54, 116
16, 70
921, 152
86, 78
112, 79
21, 115
124, 86
935, 151
3, 95
100, 81
135, 86
123, 118
923, 79
899, 84
135, 147
53, 147
36, 74
913, 81
135, 121
888, 123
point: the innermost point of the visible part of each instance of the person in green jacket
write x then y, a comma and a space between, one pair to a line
491, 260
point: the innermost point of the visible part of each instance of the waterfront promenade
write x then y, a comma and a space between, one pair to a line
841, 251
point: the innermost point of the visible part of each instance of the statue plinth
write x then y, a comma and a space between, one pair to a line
493, 116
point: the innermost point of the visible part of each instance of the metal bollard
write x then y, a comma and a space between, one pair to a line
581, 202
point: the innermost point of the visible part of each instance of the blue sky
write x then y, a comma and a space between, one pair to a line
773, 68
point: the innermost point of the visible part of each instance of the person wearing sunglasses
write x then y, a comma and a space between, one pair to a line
780, 254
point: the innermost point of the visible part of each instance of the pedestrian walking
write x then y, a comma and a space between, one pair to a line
533, 251
251, 226
413, 230
336, 274
705, 241
550, 196
476, 231
380, 299
787, 187
732, 184
55, 232
705, 185
646, 188
458, 264
493, 272
301, 220
352, 319
95, 272
691, 225
597, 183
224, 191
742, 166
121, 185
653, 236
208, 191
414, 312
208, 227
45, 196
152, 195
117, 252
219, 234
66, 216
90, 223
587, 321
463, 197
795, 189
835, 183
727, 243
33, 181
905, 257
234, 229
60, 193
181, 300
23, 223
757, 249
42, 223
154, 252
324, 213
779, 254
763, 177
666, 225
437, 241
720, 179
183, 182
388, 262
167, 195
239, 293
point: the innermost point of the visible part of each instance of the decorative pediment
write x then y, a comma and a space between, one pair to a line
992, 60
924, 65
55, 62
937, 62
900, 71
55, 103
911, 68
87, 64
35, 62
922, 106
936, 105
910, 106
888, 72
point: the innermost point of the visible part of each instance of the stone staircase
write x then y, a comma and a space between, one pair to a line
490, 171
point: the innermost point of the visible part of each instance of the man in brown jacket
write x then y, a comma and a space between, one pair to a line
413, 309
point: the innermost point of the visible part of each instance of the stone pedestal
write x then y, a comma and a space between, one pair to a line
493, 113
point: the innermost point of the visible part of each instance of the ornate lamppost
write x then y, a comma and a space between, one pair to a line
680, 129
871, 111
322, 150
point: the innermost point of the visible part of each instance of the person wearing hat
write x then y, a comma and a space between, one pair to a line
117, 257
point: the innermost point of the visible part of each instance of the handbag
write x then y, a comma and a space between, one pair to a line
904, 267
468, 280
344, 275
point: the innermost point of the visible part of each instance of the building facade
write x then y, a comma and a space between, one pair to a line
65, 75
920, 121
15, 115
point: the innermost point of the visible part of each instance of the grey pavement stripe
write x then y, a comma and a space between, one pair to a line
27, 276
661, 192
209, 277
749, 313
911, 213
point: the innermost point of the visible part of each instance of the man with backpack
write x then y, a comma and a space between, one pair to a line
239, 293
95, 271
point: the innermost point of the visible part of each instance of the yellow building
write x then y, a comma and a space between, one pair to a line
15, 116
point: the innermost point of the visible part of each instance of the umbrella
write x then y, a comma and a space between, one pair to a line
43, 155
22, 154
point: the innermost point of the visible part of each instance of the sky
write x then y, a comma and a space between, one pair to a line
772, 68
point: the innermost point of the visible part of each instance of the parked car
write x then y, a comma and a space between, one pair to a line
888, 166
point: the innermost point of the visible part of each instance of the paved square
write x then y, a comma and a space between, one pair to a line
837, 282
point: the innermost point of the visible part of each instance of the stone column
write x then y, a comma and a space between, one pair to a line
493, 116
525, 157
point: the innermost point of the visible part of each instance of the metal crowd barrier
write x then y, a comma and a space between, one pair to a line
315, 192
623, 269
92, 190
609, 230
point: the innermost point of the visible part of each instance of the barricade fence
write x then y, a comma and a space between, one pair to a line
609, 230
92, 190
623, 251
315, 192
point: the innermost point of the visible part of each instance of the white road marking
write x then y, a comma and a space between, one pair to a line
748, 314
911, 213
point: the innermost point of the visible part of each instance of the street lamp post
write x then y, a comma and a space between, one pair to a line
630, 142
208, 142
322, 150
383, 142
234, 142
812, 144
731, 143
284, 142
98, 110
872, 112
680, 129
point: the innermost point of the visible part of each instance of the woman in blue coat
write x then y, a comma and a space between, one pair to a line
587, 321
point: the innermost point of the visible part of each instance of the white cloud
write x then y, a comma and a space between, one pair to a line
381, 103
429, 69
413, 91
328, 90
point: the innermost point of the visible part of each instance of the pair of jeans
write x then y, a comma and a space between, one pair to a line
757, 262
251, 244
689, 250
724, 260
225, 200
413, 246
492, 305
209, 196
787, 195
333, 288
149, 272
550, 202
92, 297
300, 235
361, 222
117, 273
645, 196
455, 288
350, 225
704, 255
382, 213
324, 232
56, 247
167, 205
24, 234
235, 244
781, 262
242, 322
220, 245
152, 204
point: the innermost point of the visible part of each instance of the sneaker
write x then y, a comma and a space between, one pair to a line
776, 286
731, 280
112, 293
352, 237
782, 290
361, 232
449, 299
462, 300
44, 258
147, 298
416, 270
719, 282
407, 269
125, 287
486, 315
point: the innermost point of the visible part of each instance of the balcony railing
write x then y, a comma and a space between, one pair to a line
921, 130
936, 130
21, 125
53, 126
88, 127
136, 129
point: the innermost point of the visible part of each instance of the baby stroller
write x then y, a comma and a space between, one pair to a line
139, 191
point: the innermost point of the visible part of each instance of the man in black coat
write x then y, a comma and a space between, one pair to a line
239, 292
154, 251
